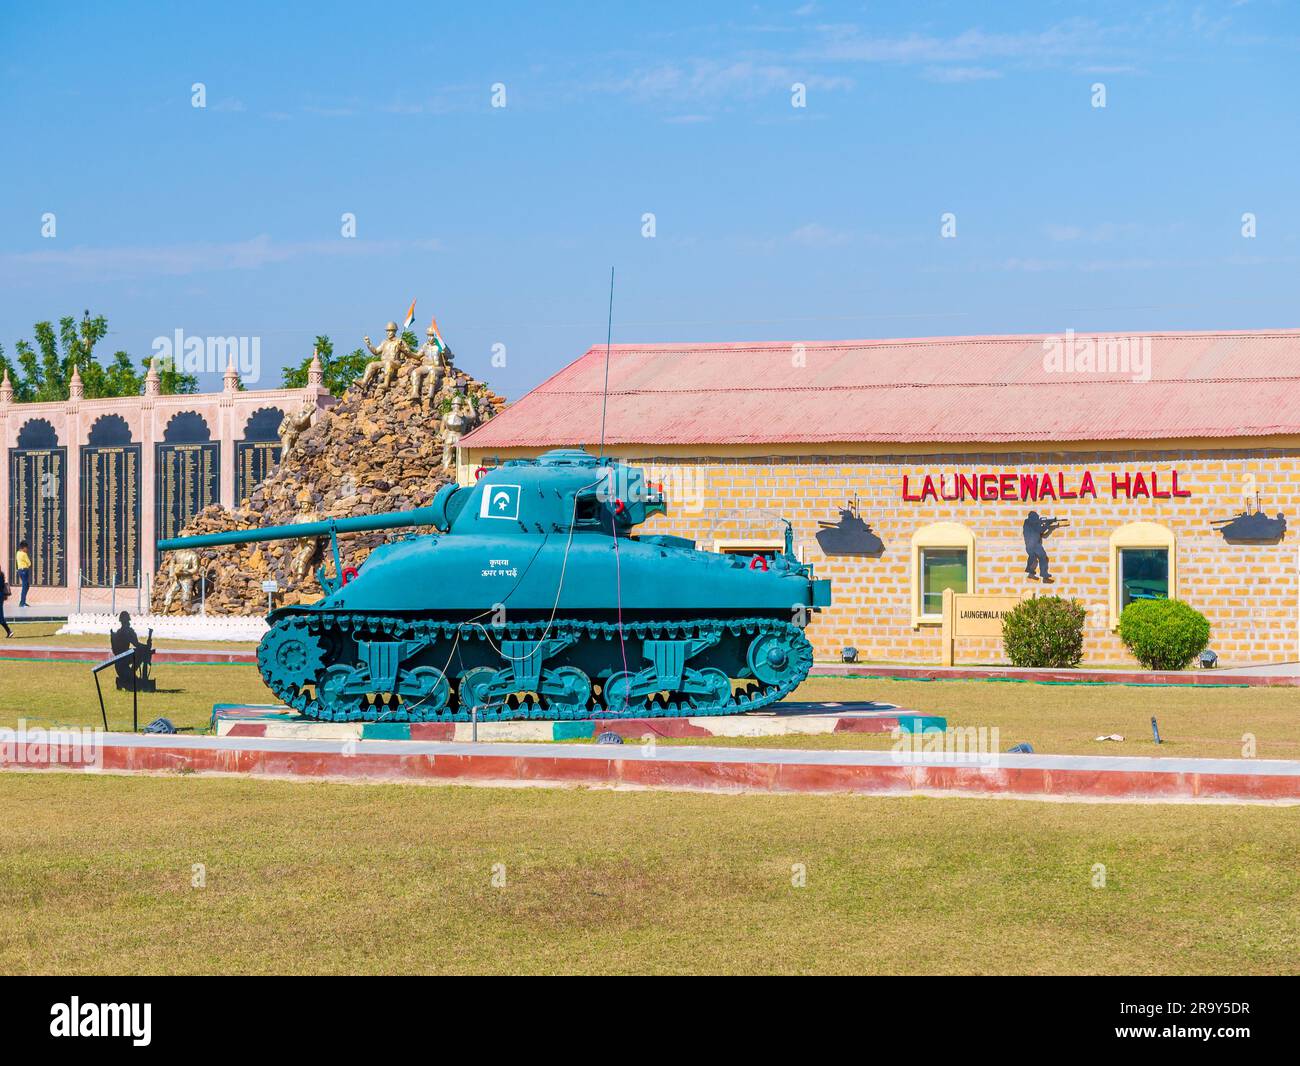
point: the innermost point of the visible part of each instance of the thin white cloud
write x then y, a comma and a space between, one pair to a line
957, 75
196, 258
708, 80
851, 44
815, 235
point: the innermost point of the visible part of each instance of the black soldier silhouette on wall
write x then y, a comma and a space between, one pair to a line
1035, 529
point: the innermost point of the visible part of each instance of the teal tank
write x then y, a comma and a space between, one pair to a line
534, 598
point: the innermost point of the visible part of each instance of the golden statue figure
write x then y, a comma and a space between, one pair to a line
300, 563
182, 571
458, 421
293, 427
435, 361
388, 358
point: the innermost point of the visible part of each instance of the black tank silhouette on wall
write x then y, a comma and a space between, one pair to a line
1035, 529
1256, 528
849, 536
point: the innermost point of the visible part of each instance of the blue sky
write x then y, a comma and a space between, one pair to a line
772, 222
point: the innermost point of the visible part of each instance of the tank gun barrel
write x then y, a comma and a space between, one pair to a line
420, 516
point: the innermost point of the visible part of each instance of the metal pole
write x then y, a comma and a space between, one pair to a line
80, 578
473, 717
203, 594
113, 598
102, 713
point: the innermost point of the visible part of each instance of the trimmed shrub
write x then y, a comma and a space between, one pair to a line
1163, 634
1044, 631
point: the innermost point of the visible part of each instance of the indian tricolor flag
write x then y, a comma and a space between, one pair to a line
410, 316
437, 333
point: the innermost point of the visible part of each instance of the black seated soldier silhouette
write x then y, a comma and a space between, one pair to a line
1035, 529
121, 640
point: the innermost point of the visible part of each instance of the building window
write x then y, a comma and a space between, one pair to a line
1143, 575
768, 549
1143, 566
943, 557
941, 568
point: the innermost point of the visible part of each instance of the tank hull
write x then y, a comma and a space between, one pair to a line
593, 573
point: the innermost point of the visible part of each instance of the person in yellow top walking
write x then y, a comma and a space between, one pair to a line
24, 568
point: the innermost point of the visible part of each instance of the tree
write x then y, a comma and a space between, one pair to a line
339, 373
43, 372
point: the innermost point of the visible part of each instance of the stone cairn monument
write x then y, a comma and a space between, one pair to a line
387, 445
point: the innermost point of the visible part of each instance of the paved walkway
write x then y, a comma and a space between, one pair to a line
1271, 670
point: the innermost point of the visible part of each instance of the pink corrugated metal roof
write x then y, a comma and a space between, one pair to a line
931, 389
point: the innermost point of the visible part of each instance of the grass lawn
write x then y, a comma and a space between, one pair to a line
1054, 718
54, 693
96, 871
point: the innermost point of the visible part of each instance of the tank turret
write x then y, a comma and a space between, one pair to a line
534, 597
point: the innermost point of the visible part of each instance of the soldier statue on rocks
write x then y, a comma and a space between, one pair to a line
388, 358
308, 547
459, 420
183, 571
435, 362
293, 427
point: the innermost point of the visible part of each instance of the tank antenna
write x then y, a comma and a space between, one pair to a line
609, 333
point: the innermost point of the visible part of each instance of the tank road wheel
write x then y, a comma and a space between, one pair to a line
567, 690
719, 694
424, 691
338, 705
474, 684
772, 658
616, 693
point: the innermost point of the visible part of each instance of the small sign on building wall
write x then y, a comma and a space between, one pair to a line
969, 614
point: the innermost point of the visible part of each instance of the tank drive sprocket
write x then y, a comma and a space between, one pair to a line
291, 655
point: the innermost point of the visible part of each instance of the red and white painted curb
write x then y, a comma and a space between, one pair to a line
1076, 777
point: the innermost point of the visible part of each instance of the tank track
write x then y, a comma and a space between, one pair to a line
286, 672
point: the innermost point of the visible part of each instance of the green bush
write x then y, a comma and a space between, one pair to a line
1163, 634
1044, 631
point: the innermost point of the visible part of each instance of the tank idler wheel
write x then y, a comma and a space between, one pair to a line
424, 690
566, 688
474, 685
719, 688
329, 690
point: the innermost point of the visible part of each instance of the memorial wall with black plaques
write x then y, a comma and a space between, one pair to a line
187, 474
259, 451
38, 501
110, 505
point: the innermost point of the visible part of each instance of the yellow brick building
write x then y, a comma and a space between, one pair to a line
943, 447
